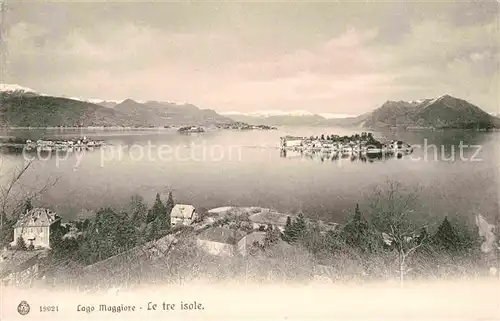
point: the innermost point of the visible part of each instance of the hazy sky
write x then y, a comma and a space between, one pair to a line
324, 57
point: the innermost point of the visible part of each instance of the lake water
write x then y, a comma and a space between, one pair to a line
245, 168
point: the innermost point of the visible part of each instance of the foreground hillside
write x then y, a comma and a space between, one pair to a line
27, 109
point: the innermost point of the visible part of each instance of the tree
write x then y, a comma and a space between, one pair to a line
109, 234
296, 230
153, 231
138, 209
6, 230
313, 240
299, 226
55, 238
27, 206
391, 210
158, 211
13, 199
21, 244
446, 236
169, 206
287, 233
357, 233
272, 236
126, 233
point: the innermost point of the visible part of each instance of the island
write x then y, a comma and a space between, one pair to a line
357, 144
52, 145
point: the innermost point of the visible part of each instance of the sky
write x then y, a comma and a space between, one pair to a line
323, 57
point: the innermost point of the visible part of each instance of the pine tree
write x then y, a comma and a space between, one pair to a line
107, 223
138, 210
126, 234
296, 230
158, 211
287, 233
356, 233
446, 236
299, 226
169, 206
153, 230
21, 244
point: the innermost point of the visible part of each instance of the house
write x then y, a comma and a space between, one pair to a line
183, 214
228, 242
18, 267
219, 241
291, 141
36, 226
267, 217
247, 242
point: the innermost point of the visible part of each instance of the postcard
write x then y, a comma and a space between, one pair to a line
249, 160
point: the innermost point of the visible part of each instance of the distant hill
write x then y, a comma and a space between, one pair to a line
30, 110
162, 113
442, 112
302, 120
109, 104
297, 120
22, 108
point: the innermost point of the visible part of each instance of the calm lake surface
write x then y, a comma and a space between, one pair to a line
245, 168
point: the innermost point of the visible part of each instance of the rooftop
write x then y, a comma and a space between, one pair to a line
37, 217
269, 217
255, 237
182, 211
221, 235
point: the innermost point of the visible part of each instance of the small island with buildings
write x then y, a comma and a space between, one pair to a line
225, 126
363, 144
43, 145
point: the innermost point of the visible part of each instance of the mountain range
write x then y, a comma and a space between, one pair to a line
442, 112
23, 107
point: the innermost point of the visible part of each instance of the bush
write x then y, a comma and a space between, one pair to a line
21, 244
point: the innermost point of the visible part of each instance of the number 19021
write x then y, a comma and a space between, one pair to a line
49, 308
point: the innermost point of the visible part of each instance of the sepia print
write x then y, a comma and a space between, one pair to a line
334, 160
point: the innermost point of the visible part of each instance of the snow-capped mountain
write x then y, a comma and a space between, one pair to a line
444, 111
22, 89
293, 113
335, 116
16, 88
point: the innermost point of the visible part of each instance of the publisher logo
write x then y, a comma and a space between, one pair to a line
23, 308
